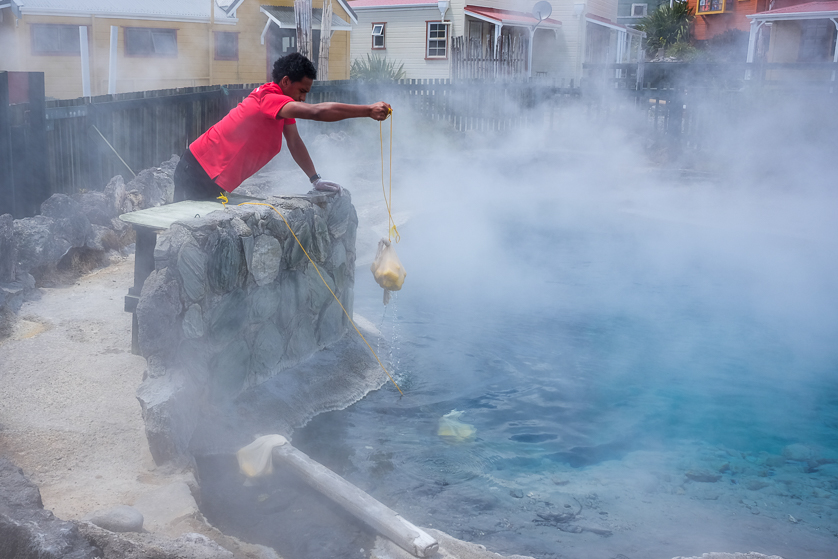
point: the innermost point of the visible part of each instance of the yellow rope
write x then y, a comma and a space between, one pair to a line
392, 231
352, 322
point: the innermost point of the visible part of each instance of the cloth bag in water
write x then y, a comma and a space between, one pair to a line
387, 269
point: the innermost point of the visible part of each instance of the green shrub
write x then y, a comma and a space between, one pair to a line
683, 52
376, 69
666, 26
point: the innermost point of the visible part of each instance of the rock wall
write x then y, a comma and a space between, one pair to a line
72, 231
233, 301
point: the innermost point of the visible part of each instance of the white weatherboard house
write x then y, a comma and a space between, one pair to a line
501, 37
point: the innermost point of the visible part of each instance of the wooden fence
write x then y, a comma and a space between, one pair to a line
470, 61
67, 146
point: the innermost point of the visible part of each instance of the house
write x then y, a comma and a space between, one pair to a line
138, 45
491, 38
630, 12
714, 17
805, 33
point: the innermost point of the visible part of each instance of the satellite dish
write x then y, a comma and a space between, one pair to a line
542, 10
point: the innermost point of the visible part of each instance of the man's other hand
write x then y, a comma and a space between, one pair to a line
380, 110
327, 186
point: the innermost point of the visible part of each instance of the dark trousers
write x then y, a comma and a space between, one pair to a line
192, 182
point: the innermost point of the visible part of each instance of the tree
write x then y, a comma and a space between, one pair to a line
666, 26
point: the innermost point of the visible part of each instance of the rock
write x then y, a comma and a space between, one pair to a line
264, 358
152, 546
517, 493
8, 251
340, 214
193, 322
293, 253
267, 255
163, 506
121, 518
703, 476
263, 302
192, 265
224, 266
12, 296
71, 224
319, 292
27, 530
115, 195
799, 452
169, 406
293, 291
301, 343
228, 317
102, 239
321, 246
155, 186
158, 312
330, 324
228, 370
36, 243
750, 555
97, 207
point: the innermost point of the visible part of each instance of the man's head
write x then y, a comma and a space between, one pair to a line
294, 74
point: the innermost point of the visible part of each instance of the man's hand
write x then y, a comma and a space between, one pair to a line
328, 186
380, 110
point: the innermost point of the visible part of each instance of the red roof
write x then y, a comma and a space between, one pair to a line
509, 17
809, 7
390, 3
603, 20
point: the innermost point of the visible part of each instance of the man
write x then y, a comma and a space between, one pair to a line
251, 134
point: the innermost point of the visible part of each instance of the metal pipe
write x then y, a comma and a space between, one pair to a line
382, 519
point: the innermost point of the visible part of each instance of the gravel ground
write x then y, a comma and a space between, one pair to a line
68, 412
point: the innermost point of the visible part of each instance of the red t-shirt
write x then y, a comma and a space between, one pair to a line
245, 140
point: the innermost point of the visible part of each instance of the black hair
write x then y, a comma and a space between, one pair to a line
295, 66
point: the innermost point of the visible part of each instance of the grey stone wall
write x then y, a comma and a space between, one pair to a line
80, 228
233, 301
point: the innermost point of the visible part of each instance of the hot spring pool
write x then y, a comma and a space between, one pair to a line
671, 386
642, 382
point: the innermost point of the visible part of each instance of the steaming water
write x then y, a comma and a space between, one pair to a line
611, 356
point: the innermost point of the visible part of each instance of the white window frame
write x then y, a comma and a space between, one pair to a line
645, 10
444, 25
380, 28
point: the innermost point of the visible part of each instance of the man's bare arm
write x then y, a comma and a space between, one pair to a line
298, 149
332, 112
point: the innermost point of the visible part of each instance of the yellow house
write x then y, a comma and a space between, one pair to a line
138, 45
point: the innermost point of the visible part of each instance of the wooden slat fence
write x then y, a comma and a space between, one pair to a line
470, 61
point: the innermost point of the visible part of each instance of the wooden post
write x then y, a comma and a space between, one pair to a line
325, 40
379, 517
302, 15
7, 176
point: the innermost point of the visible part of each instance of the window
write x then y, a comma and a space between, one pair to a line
639, 10
437, 43
55, 39
226, 45
140, 41
378, 35
710, 7
817, 43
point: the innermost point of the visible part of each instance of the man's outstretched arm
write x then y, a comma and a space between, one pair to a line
332, 112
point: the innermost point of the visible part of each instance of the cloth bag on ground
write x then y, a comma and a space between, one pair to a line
387, 269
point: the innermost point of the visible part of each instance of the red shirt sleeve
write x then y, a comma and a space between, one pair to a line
272, 103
